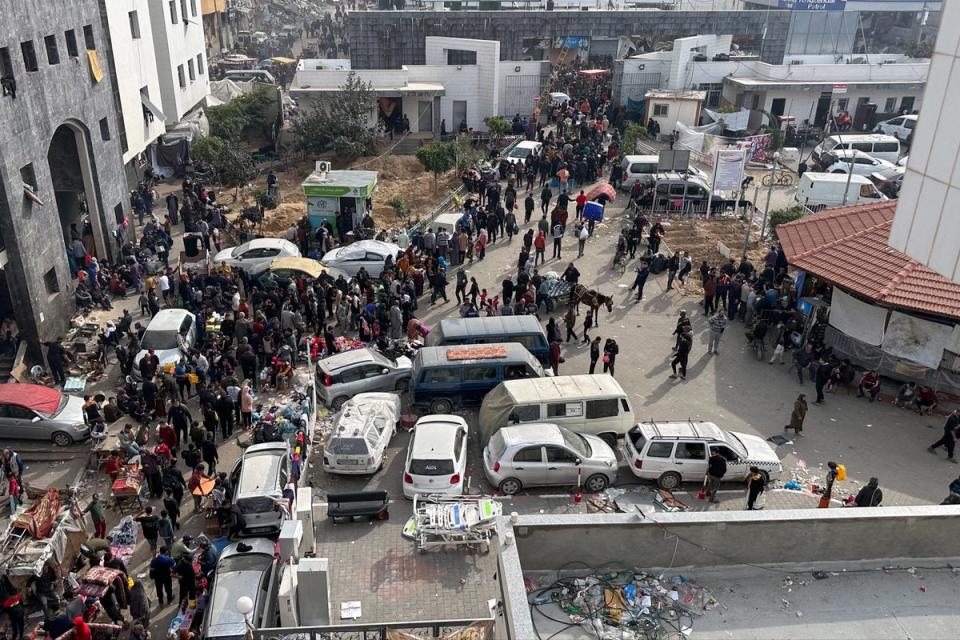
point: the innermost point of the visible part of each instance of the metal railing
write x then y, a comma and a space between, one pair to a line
368, 631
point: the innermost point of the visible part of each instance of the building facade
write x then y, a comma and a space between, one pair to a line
61, 163
181, 56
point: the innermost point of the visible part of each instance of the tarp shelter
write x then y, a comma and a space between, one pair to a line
33, 396
332, 192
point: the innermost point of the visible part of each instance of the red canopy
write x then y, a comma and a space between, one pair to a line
32, 396
594, 73
606, 188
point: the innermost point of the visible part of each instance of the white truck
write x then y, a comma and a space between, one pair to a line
820, 190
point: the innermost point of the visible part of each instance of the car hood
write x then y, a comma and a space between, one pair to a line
72, 412
166, 356
758, 449
224, 255
403, 362
601, 450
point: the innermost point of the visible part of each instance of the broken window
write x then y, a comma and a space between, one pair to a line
134, 25
181, 77
104, 129
88, 37
71, 37
8, 83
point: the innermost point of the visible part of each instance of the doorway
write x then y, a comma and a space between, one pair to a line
459, 114
424, 116
777, 107
71, 169
823, 109
390, 111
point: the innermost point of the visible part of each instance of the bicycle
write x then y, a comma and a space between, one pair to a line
781, 178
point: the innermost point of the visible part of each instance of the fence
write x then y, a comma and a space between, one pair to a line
369, 631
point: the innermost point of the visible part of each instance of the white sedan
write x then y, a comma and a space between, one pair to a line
863, 164
369, 254
256, 255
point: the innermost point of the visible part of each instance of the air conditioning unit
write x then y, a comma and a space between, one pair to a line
322, 166
291, 535
303, 513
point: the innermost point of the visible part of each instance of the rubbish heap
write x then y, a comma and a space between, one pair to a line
621, 605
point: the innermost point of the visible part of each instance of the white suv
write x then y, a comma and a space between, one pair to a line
437, 457
676, 452
902, 127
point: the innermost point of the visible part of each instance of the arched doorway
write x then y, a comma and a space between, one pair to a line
73, 176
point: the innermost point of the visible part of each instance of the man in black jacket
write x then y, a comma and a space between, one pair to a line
684, 344
180, 417
716, 469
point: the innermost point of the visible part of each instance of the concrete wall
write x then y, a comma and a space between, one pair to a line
135, 66
178, 44
724, 538
389, 39
519, 88
927, 223
46, 99
481, 100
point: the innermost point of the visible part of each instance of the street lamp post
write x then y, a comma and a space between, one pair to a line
766, 209
245, 608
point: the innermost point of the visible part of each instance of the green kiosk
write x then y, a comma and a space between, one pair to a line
339, 197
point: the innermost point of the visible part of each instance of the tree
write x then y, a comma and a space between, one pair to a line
401, 210
783, 216
244, 116
631, 135
438, 158
234, 166
497, 125
465, 153
341, 123
772, 128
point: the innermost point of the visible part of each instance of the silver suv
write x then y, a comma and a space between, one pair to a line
344, 375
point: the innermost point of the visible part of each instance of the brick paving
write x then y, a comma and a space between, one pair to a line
372, 563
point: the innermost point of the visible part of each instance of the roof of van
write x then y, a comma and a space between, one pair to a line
557, 387
864, 137
688, 429
836, 177
642, 158
494, 325
437, 356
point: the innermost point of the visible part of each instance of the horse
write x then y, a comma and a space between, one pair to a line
593, 299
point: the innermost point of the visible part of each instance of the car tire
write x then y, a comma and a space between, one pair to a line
596, 483
610, 439
510, 487
766, 477
338, 402
62, 439
669, 481
441, 406
403, 386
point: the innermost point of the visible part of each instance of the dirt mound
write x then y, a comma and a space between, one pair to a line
703, 239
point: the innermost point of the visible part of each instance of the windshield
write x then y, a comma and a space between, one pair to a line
829, 143
159, 340
576, 442
519, 152
244, 562
63, 403
431, 467
737, 444
379, 358
237, 250
496, 445
347, 446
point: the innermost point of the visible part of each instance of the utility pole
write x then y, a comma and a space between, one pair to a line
766, 209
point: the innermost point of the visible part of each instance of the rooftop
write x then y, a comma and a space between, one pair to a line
847, 246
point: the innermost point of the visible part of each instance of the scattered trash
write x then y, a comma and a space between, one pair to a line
820, 575
779, 440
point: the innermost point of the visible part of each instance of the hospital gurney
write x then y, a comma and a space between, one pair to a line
439, 521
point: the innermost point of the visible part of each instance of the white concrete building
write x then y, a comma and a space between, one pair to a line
181, 57
927, 222
135, 75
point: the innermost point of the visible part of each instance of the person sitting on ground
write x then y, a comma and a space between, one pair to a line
906, 394
869, 385
841, 376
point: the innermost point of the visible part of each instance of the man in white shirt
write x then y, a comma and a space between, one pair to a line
163, 283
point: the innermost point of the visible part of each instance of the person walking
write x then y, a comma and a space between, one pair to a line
97, 511
461, 290
161, 571
149, 525
545, 196
528, 206
755, 486
555, 357
718, 323
684, 344
540, 244
55, 358
610, 351
828, 490
557, 234
870, 495
570, 322
798, 415
949, 439
673, 265
643, 272
587, 325
165, 528
594, 353
716, 469
582, 239
821, 378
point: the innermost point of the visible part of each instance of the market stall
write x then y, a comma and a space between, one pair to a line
338, 197
127, 487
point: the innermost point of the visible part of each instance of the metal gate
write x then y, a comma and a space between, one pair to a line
519, 94
634, 85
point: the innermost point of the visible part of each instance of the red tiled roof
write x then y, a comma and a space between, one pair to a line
848, 247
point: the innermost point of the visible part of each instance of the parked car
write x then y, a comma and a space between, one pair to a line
244, 568
164, 335
369, 254
436, 457
901, 127
362, 429
523, 150
546, 454
819, 190
259, 478
875, 144
343, 375
36, 412
256, 255
889, 181
863, 164
676, 452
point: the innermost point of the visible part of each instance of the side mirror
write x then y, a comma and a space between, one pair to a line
35, 419
578, 462
384, 371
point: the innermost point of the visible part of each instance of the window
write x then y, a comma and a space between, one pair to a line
458, 443
173, 11
626, 405
53, 54
660, 450
530, 454
559, 454
661, 110
193, 8
518, 372
691, 451
442, 375
352, 375
868, 191
118, 213
564, 410
602, 408
134, 25
6, 64
485, 373
456, 57
29, 55
863, 101
906, 105
50, 281
71, 37
726, 452
200, 66
885, 147
182, 77
104, 129
190, 71
525, 413
88, 37
843, 104
20, 413
677, 189
890, 105
183, 10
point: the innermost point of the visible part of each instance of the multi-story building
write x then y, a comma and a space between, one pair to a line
61, 168
180, 54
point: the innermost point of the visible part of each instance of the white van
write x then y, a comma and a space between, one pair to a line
877, 145
257, 75
259, 479
820, 190
595, 404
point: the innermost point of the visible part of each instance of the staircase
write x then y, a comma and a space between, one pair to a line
7, 361
410, 143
